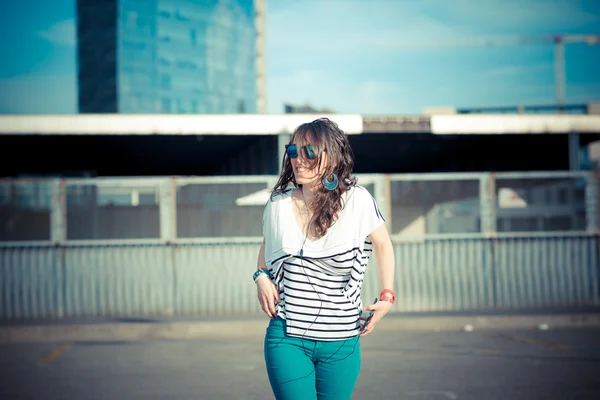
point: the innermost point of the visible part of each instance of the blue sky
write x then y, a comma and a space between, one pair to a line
351, 56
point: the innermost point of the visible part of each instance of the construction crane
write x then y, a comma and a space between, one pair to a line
559, 42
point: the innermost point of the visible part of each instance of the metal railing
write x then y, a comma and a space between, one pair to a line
176, 209
163, 246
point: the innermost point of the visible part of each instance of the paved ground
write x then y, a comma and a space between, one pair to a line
495, 364
111, 329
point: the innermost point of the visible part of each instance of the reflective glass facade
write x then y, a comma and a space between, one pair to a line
170, 56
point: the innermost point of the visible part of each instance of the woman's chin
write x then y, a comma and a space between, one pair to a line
304, 181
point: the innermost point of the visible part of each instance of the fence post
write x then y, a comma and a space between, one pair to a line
58, 235
167, 208
487, 212
58, 212
591, 201
168, 233
487, 204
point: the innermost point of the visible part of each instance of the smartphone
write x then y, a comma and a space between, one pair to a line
368, 317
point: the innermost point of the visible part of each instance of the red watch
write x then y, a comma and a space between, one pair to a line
387, 291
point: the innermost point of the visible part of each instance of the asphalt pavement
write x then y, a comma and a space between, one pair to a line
532, 363
190, 327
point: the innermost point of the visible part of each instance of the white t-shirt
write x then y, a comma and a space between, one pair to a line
320, 281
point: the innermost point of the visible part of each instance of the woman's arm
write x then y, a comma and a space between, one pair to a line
267, 293
384, 257
260, 263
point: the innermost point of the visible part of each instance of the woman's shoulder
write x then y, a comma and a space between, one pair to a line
358, 194
362, 190
279, 195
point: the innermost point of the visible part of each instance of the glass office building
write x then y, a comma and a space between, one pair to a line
167, 56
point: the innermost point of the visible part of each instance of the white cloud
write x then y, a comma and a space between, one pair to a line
517, 93
329, 54
322, 90
61, 33
507, 70
339, 27
509, 14
38, 94
332, 28
389, 56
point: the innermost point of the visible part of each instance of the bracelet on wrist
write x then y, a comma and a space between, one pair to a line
259, 273
383, 297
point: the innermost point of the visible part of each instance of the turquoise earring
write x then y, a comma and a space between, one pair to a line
331, 184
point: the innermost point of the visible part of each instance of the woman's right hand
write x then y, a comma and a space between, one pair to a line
268, 295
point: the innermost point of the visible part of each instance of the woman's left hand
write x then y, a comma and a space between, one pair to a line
379, 310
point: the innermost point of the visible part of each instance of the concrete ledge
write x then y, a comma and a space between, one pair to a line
224, 329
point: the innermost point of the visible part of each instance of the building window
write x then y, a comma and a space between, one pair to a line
180, 108
164, 61
165, 105
180, 17
132, 19
165, 81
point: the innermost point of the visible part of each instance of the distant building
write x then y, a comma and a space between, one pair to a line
589, 108
171, 56
305, 109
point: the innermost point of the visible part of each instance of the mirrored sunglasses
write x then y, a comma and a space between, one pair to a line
292, 151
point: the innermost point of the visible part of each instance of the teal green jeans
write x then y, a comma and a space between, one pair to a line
305, 369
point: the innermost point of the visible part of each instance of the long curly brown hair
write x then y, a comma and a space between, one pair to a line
324, 135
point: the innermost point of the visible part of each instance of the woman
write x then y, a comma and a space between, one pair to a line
318, 236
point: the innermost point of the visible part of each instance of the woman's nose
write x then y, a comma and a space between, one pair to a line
301, 161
